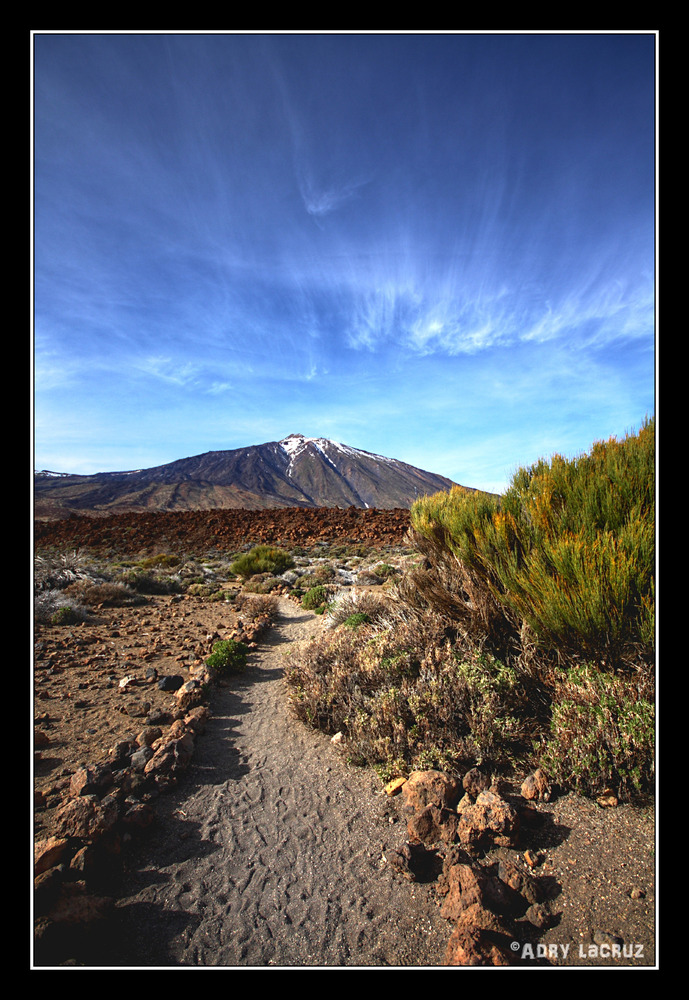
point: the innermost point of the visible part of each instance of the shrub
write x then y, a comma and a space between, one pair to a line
315, 599
602, 733
163, 560
254, 606
351, 604
477, 654
94, 592
408, 695
202, 589
569, 550
357, 619
385, 571
228, 657
262, 559
263, 583
560, 571
66, 615
56, 571
146, 582
52, 607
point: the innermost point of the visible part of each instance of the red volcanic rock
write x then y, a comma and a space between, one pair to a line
224, 530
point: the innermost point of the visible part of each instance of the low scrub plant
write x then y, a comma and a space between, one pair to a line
208, 590
407, 695
149, 582
227, 657
262, 559
164, 560
601, 733
362, 606
315, 599
55, 571
104, 593
53, 607
254, 606
357, 619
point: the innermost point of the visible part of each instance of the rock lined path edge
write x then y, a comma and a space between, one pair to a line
271, 853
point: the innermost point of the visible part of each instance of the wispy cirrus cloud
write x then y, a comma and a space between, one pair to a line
388, 238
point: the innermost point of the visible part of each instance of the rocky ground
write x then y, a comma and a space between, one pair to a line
224, 530
266, 848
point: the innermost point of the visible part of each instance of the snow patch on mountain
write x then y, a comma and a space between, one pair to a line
294, 444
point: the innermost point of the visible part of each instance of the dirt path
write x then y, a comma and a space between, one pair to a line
272, 851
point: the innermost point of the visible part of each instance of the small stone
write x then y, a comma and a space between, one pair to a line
141, 757
90, 781
608, 799
171, 682
490, 821
433, 825
86, 817
189, 694
149, 735
474, 782
426, 788
395, 786
48, 853
536, 786
539, 916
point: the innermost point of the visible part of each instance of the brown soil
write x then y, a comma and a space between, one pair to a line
272, 851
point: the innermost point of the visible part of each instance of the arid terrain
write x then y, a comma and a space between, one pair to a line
223, 531
271, 850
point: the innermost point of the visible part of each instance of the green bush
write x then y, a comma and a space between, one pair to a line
146, 582
569, 550
262, 559
357, 619
228, 657
315, 599
203, 589
163, 560
67, 615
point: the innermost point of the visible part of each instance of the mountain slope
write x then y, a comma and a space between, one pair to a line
295, 472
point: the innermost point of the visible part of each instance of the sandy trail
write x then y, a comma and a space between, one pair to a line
271, 852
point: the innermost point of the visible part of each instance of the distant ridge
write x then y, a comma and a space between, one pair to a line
297, 471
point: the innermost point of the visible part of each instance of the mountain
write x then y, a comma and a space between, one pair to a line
295, 472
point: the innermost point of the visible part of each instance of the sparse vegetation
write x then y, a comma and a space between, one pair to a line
67, 614
262, 559
256, 605
149, 582
527, 638
102, 593
53, 607
513, 631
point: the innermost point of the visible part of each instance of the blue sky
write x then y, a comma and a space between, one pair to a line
436, 247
